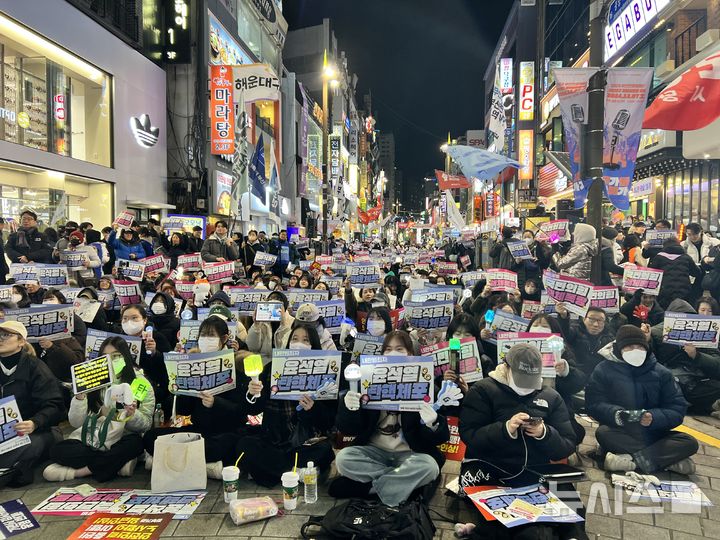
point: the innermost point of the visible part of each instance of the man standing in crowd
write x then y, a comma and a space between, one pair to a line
28, 244
219, 247
285, 251
251, 246
195, 241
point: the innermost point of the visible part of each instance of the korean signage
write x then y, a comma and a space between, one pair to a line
641, 188
429, 315
501, 280
15, 518
647, 279
549, 346
702, 331
396, 383
335, 164
246, 299
223, 48
95, 339
9, 416
91, 375
222, 120
606, 297
297, 373
526, 154
506, 74
574, 293
526, 91
629, 19
469, 365
177, 49
113, 526
190, 374
223, 190
47, 322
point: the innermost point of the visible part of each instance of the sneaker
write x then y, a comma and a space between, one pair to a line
214, 470
619, 462
685, 466
574, 459
128, 469
716, 406
148, 462
58, 473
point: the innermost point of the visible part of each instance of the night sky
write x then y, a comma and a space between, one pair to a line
424, 61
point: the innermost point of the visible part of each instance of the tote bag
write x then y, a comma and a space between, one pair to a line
178, 463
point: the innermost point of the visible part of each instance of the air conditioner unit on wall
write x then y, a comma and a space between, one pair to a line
703, 41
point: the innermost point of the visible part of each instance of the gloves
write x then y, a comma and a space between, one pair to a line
428, 416
352, 401
449, 395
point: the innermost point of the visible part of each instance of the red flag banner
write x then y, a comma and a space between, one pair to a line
692, 101
451, 181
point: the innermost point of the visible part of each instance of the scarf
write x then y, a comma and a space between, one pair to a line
22, 234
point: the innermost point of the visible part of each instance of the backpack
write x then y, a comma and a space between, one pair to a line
359, 519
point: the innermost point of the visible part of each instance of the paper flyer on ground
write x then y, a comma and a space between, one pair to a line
675, 491
119, 527
15, 519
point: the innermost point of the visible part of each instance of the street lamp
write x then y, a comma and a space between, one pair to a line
329, 75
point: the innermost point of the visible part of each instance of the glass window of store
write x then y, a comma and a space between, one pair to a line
251, 31
51, 99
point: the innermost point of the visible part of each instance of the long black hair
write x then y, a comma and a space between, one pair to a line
312, 336
127, 375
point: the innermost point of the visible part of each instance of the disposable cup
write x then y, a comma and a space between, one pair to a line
230, 477
290, 481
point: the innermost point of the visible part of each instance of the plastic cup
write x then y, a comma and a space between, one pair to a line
290, 481
230, 476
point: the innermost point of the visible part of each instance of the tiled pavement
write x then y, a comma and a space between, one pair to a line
211, 520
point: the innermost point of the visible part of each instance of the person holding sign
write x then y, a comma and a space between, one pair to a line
89, 296
263, 337
108, 422
175, 246
577, 261
679, 272
638, 403
90, 259
35, 389
219, 247
394, 453
128, 247
162, 310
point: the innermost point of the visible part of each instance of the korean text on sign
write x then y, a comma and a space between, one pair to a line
363, 273
574, 293
501, 280
190, 374
296, 373
469, 365
44, 322
702, 331
395, 383
429, 315
648, 279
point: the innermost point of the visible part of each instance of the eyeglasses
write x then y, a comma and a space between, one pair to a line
6, 335
599, 322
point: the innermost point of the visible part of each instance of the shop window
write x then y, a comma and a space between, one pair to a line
669, 198
714, 195
52, 100
678, 215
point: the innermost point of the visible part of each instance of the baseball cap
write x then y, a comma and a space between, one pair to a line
526, 366
220, 311
15, 327
307, 313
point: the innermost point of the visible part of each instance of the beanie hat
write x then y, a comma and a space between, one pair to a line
609, 233
629, 335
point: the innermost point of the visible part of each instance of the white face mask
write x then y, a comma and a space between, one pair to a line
528, 241
394, 353
158, 308
16, 298
636, 357
539, 330
376, 327
53, 301
208, 344
517, 389
299, 346
132, 328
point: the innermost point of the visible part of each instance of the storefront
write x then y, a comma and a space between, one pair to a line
82, 118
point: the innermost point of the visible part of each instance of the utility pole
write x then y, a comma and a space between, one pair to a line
328, 77
592, 147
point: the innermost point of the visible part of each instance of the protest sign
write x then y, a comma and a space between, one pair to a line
672, 491
302, 243
702, 331
333, 283
128, 292
52, 275
446, 268
429, 315
304, 296
304, 265
23, 273
549, 345
470, 367
125, 219
501, 280
91, 375
74, 260
410, 258
454, 448
191, 262
155, 263
440, 294
68, 502
333, 311
396, 383
396, 316
265, 259
190, 374
519, 249
130, 270
185, 289
246, 299
70, 293
647, 279
465, 261
324, 260
188, 334
361, 273
606, 297
95, 339
15, 518
219, 272
530, 308
5, 293
656, 238
108, 299
9, 416
204, 312
574, 293
506, 322
46, 322
119, 527
469, 279
555, 231
296, 373
540, 505
367, 345
86, 309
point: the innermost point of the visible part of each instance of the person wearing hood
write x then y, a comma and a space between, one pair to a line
679, 271
90, 262
28, 244
249, 249
89, 295
696, 370
638, 403
608, 256
221, 298
163, 319
219, 247
577, 262
309, 315
128, 247
92, 239
641, 302
174, 246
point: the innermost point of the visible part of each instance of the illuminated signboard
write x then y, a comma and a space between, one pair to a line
506, 74
630, 18
334, 158
527, 91
525, 154
177, 48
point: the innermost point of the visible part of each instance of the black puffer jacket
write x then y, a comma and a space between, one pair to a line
584, 345
490, 403
167, 323
500, 252
677, 269
655, 316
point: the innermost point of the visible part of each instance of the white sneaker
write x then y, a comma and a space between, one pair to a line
148, 462
58, 473
128, 469
214, 470
619, 462
685, 466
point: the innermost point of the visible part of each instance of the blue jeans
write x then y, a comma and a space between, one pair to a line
394, 475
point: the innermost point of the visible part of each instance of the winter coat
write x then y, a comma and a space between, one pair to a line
63, 354
248, 255
615, 385
277, 247
194, 244
500, 252
261, 340
37, 250
577, 262
490, 403
99, 322
91, 255
36, 391
214, 248
123, 250
607, 262
4, 268
174, 251
167, 324
677, 269
708, 242
688, 372
655, 316
585, 345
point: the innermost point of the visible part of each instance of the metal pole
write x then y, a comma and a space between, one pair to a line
592, 147
326, 176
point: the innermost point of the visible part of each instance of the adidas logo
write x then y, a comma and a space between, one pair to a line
145, 133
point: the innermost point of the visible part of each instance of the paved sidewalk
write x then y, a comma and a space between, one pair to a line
211, 520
